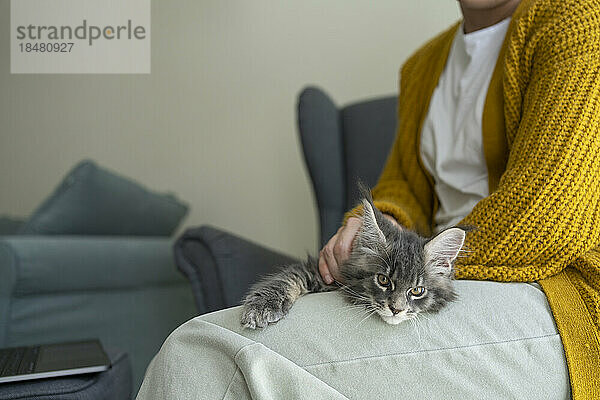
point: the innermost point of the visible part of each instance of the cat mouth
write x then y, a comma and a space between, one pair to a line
392, 319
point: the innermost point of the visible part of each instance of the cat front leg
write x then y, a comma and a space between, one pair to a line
267, 305
270, 300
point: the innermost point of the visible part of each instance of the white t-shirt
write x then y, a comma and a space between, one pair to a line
451, 141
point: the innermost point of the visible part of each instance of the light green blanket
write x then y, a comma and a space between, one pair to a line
498, 341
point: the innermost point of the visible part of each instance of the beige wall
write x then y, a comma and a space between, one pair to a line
215, 121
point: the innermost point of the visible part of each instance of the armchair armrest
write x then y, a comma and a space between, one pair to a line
221, 267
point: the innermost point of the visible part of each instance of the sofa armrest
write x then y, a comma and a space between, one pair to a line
50, 264
123, 290
58, 265
221, 267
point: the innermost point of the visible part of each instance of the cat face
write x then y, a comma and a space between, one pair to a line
398, 274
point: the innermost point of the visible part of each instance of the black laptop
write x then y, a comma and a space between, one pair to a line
52, 360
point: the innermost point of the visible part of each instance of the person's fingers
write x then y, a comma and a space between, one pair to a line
332, 264
337, 250
351, 229
343, 245
393, 220
324, 270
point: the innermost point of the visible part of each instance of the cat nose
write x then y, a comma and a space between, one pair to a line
394, 310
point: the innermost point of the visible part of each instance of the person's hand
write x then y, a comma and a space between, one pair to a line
393, 220
337, 250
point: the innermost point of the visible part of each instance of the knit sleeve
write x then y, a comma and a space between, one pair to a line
545, 211
393, 195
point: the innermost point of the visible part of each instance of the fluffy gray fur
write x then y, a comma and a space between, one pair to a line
394, 273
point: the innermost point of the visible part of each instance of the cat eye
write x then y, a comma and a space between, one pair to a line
383, 280
417, 291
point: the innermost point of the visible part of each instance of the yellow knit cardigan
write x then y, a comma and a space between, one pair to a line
541, 139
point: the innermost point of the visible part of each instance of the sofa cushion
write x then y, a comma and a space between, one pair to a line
94, 201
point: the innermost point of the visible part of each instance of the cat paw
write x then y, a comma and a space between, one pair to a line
260, 312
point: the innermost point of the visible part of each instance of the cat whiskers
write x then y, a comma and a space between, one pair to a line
415, 319
363, 302
351, 292
361, 310
385, 261
350, 308
372, 310
419, 316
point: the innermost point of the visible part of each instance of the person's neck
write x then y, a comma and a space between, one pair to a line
476, 19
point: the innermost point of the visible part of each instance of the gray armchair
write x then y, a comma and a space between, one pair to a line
341, 146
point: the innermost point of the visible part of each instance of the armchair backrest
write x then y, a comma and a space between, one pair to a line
342, 146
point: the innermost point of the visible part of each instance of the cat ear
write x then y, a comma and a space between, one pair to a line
442, 250
370, 231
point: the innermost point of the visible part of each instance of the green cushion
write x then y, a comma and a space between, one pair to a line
93, 201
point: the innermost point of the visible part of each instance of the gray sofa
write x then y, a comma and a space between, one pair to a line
341, 146
122, 288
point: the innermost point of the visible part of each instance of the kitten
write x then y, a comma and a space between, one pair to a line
395, 273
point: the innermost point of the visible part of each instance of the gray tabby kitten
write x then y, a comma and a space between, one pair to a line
395, 273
